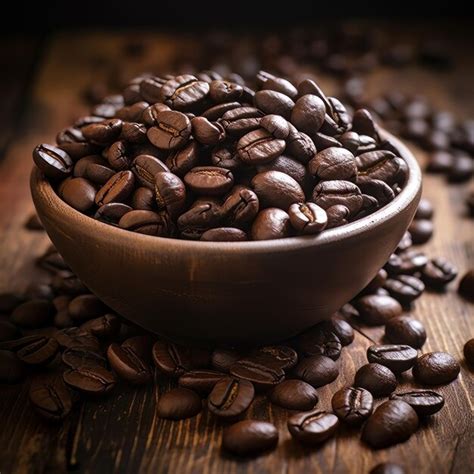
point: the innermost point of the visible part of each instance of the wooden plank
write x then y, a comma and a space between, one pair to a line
122, 432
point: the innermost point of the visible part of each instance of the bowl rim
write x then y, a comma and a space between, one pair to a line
42, 190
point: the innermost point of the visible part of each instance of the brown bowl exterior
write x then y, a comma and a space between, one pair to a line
236, 292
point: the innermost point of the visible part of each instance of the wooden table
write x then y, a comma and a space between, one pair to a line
41, 82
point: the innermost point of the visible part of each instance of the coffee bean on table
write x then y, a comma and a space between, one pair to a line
249, 437
283, 357
223, 358
209, 180
461, 170
333, 163
50, 397
379, 380
404, 329
436, 368
271, 223
106, 326
466, 285
424, 402
320, 340
469, 352
307, 218
438, 272
230, 397
393, 422
79, 193
317, 370
33, 314
52, 161
424, 210
91, 380
352, 405
84, 307
313, 427
294, 395
256, 371
37, 352
404, 288
340, 327
201, 381
8, 331
76, 337
407, 262
398, 358
377, 309
421, 230
75, 357
12, 369
178, 404
387, 468
259, 146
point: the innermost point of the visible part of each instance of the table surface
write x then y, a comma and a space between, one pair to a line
41, 84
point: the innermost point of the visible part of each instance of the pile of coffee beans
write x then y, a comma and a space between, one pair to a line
208, 158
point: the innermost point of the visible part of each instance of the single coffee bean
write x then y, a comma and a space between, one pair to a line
52, 262
352, 405
333, 163
224, 234
201, 381
363, 123
52, 161
170, 193
392, 422
224, 91
183, 160
294, 395
239, 121
106, 326
337, 215
218, 111
340, 327
112, 213
223, 358
248, 437
209, 180
271, 223
12, 369
424, 402
317, 370
256, 371
320, 340
117, 189
408, 262
240, 207
469, 352
75, 357
134, 132
272, 102
178, 404
79, 193
388, 468
132, 359
77, 337
85, 307
259, 146
39, 351
421, 231
98, 173
436, 368
424, 210
91, 380
201, 217
150, 88
330, 193
377, 309
150, 114
377, 282
299, 145
172, 130
230, 397
308, 113
398, 358
279, 84
379, 380
276, 125
377, 189
226, 156
147, 222
404, 288
313, 427
50, 397
184, 92
117, 155
283, 357
307, 218
466, 285
33, 314
438, 272
404, 329
382, 165
440, 162
103, 133
461, 170
206, 132
72, 141
146, 167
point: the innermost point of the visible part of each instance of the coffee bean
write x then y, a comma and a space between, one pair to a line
352, 405
106, 326
218, 111
337, 215
201, 381
330, 193
313, 427
134, 132
440, 162
52, 161
75, 357
398, 358
283, 357
76, 337
201, 217
469, 352
404, 329
276, 125
230, 397
66, 282
408, 262
294, 395
276, 189
317, 370
377, 189
392, 422
404, 288
363, 123
299, 145
132, 359
421, 231
438, 272
259, 146
33, 314
117, 155
424, 402
117, 189
184, 92
206, 132
387, 468
377, 309
39, 350
91, 380
147, 222
248, 437
103, 133
85, 307
222, 359
34, 223
272, 102
333, 163
239, 121
183, 160
307, 218
279, 84
271, 223
79, 193
466, 285
170, 193
340, 327
424, 210
178, 404
382, 165
146, 167
256, 371
50, 397
436, 368
308, 113
240, 207
379, 380
150, 88
224, 91
172, 130
320, 340
224, 234
462, 169
209, 180
12, 369
150, 114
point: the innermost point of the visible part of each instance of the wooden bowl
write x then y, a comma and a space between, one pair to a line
236, 292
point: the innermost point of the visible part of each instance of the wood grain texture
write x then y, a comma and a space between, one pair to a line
122, 433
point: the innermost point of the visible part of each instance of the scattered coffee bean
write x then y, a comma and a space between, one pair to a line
106, 326
404, 329
438, 272
377, 309
294, 395
320, 340
230, 397
76, 337
50, 397
424, 210
201, 381
256, 371
248, 437
404, 288
91, 380
466, 285
84, 307
178, 404
33, 314
76, 357
436, 368
421, 231
313, 427
379, 380
39, 351
352, 405
424, 402
222, 359
398, 358
469, 352
317, 370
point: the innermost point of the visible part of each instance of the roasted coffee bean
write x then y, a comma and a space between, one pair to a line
52, 161
172, 130
230, 397
117, 155
209, 180
340, 327
377, 189
8, 331
276, 125
80, 167
272, 102
67, 283
462, 169
388, 468
170, 193
313, 427
279, 84
201, 217
277, 189
224, 234
337, 215
106, 326
240, 207
150, 88
76, 337
12, 369
299, 145
398, 358
363, 123
146, 167
424, 402
379, 380
392, 422
249, 437
206, 132
72, 141
132, 113
226, 156
222, 359
404, 288
377, 309
307, 218
308, 113
382, 165
317, 370
75, 357
201, 381
103, 133
405, 243
239, 121
183, 160
149, 115
404, 329
50, 397
134, 132
291, 167
147, 222
466, 285
408, 262
85, 307
320, 340
184, 92
377, 282
283, 357
117, 189
259, 146
40, 351
294, 395
440, 162
436, 368
333, 163
330, 193
438, 272
98, 173
224, 91
91, 380
112, 212
33, 314
256, 371
178, 404
132, 359
271, 223
424, 210
469, 352
352, 405
421, 231
217, 111
79, 193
